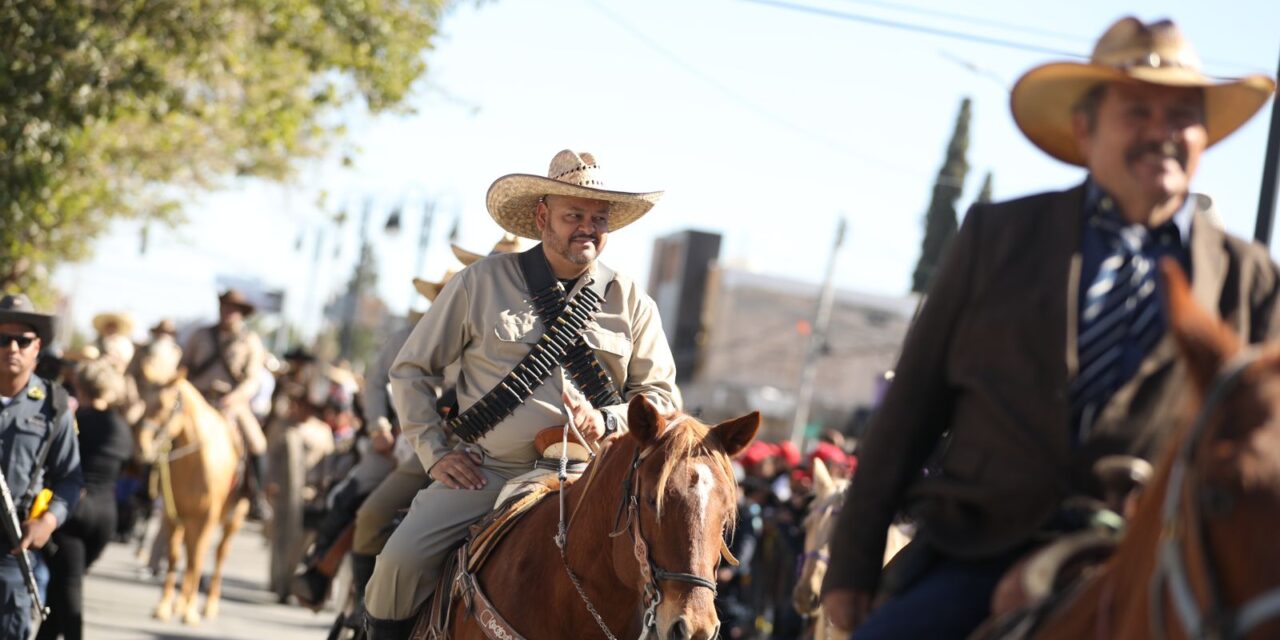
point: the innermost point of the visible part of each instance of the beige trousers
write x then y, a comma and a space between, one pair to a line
394, 493
409, 565
240, 416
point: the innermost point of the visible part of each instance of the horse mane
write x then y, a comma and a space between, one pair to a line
685, 438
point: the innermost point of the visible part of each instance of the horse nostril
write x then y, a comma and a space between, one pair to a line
679, 630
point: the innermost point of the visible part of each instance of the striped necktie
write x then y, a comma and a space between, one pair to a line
1121, 311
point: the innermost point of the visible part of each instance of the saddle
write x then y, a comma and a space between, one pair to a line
1053, 573
520, 495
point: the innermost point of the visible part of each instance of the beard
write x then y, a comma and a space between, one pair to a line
578, 254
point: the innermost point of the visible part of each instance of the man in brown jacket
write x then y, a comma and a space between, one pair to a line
1042, 345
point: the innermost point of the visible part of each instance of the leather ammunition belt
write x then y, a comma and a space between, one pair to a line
562, 344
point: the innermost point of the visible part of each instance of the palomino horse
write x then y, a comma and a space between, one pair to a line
1200, 558
819, 527
195, 457
646, 527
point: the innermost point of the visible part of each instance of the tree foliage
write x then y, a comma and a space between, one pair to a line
940, 220
114, 109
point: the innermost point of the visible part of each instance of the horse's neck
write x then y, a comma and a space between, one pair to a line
194, 406
594, 500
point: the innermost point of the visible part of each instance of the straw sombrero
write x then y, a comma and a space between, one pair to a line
110, 323
510, 243
429, 289
1130, 51
513, 198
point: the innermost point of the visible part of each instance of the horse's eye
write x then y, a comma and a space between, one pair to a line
652, 501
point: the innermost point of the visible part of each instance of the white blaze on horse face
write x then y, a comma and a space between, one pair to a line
702, 489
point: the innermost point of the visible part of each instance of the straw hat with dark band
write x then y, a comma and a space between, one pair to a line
512, 199
111, 322
1130, 51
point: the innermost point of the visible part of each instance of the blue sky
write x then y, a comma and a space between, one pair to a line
762, 123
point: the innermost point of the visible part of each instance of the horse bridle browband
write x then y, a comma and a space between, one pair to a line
1170, 572
650, 573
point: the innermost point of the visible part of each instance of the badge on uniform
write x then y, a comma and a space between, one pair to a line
36, 393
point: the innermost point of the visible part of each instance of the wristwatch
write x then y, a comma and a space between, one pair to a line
610, 424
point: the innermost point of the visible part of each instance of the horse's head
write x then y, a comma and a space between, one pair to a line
819, 524
156, 373
685, 502
1221, 508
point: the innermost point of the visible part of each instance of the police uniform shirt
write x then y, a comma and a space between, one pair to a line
25, 424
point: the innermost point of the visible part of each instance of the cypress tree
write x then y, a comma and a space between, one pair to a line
940, 220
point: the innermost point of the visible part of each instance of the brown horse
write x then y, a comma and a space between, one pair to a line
665, 493
1200, 558
195, 458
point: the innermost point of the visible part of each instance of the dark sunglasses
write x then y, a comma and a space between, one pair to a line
23, 341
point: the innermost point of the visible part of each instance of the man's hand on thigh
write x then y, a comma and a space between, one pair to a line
459, 470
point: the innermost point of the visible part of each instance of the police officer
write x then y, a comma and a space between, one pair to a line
37, 448
223, 361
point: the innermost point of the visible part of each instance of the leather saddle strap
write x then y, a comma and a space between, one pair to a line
553, 349
486, 616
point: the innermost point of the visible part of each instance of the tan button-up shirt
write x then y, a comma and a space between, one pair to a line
484, 321
244, 354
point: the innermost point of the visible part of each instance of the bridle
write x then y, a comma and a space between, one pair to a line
1217, 620
650, 573
819, 556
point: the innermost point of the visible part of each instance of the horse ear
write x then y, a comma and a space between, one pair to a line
1206, 343
823, 485
643, 420
736, 434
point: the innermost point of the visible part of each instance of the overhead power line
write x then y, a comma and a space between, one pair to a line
966, 36
822, 138
973, 20
906, 26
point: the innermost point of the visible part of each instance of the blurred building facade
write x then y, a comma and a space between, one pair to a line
740, 337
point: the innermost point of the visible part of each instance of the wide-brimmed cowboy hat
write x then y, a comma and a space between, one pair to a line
510, 243
236, 298
18, 308
1129, 51
164, 328
513, 198
111, 322
429, 289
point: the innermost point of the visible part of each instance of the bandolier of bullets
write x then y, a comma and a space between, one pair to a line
562, 344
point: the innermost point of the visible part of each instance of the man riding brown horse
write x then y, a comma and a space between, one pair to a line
1043, 344
519, 327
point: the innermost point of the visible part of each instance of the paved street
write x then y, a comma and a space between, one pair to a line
119, 600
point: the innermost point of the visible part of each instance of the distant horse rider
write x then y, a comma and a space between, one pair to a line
223, 362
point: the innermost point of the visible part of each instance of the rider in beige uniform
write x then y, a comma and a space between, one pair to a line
223, 362
484, 323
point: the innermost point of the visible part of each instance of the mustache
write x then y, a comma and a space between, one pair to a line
585, 236
1166, 149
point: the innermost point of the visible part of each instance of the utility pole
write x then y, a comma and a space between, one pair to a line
1270, 172
817, 343
424, 239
